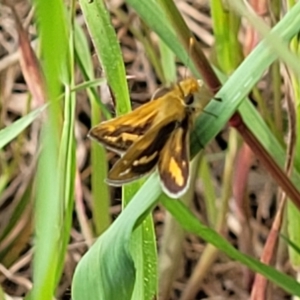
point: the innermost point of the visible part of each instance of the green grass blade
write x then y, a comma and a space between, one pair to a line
100, 190
226, 25
48, 204
151, 13
67, 154
108, 50
8, 133
191, 223
84, 60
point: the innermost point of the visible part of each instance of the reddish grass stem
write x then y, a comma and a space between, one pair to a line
269, 163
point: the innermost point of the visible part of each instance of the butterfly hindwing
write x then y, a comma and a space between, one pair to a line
173, 163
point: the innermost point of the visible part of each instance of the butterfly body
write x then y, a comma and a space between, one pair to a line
155, 134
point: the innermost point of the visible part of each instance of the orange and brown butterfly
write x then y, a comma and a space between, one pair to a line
155, 134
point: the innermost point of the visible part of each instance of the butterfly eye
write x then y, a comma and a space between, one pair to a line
189, 99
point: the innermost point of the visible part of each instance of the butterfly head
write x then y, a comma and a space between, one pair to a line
189, 88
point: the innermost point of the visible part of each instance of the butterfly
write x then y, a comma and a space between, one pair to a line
154, 135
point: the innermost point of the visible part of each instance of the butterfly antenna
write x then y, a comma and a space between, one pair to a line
191, 44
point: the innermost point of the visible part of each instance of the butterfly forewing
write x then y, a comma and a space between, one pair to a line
120, 133
173, 163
